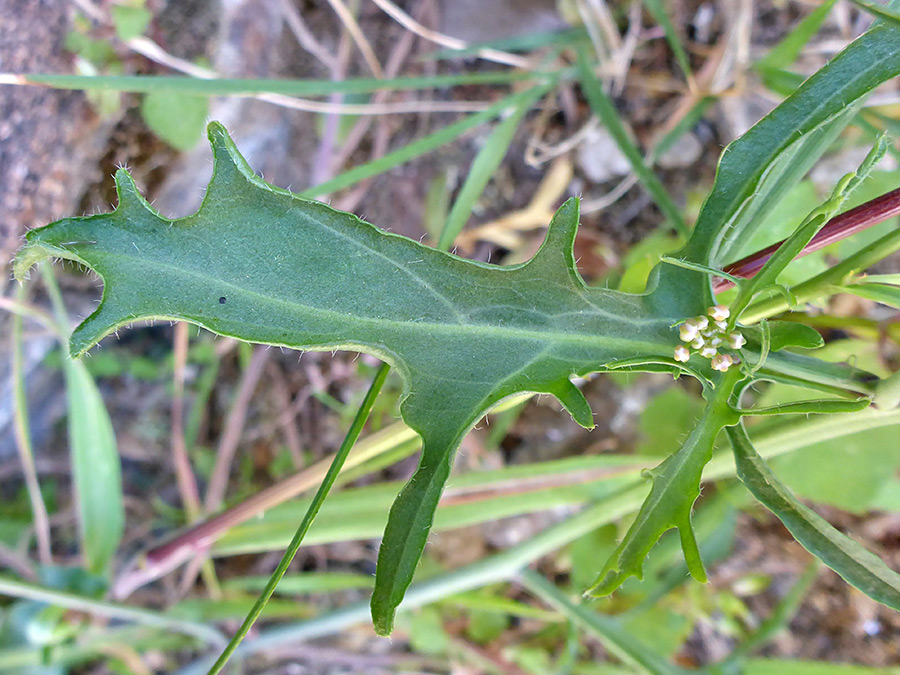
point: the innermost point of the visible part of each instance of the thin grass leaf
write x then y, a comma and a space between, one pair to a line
483, 169
419, 147
315, 506
661, 16
856, 565
611, 633
604, 108
821, 406
110, 610
882, 293
302, 583
145, 84
783, 55
22, 429
96, 467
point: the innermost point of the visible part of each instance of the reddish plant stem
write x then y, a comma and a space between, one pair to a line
841, 226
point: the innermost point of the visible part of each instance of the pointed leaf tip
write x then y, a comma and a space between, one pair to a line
555, 259
575, 403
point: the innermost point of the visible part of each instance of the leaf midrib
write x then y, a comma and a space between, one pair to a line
466, 329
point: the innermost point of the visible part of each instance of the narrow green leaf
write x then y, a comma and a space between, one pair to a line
143, 84
111, 610
96, 468
609, 631
309, 517
856, 565
783, 334
483, 168
604, 108
882, 293
783, 55
418, 147
889, 279
658, 11
821, 406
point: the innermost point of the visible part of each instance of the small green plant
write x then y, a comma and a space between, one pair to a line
264, 265
261, 264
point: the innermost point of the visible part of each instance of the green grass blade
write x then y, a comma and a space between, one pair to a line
856, 565
822, 406
604, 108
883, 293
110, 610
483, 168
415, 149
315, 506
23, 438
96, 467
783, 55
145, 84
661, 16
609, 631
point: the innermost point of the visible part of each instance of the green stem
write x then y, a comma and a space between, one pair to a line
821, 285
353, 433
23, 439
110, 610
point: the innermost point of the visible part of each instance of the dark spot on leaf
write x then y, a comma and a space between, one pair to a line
222, 300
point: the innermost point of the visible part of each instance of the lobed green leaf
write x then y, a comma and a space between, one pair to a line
676, 485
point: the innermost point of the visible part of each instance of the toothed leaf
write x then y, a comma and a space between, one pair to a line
258, 263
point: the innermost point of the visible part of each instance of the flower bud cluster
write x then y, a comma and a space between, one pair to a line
706, 336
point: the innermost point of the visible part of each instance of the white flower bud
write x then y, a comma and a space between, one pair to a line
698, 343
715, 342
722, 362
682, 353
687, 332
698, 322
708, 352
721, 325
736, 340
719, 312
